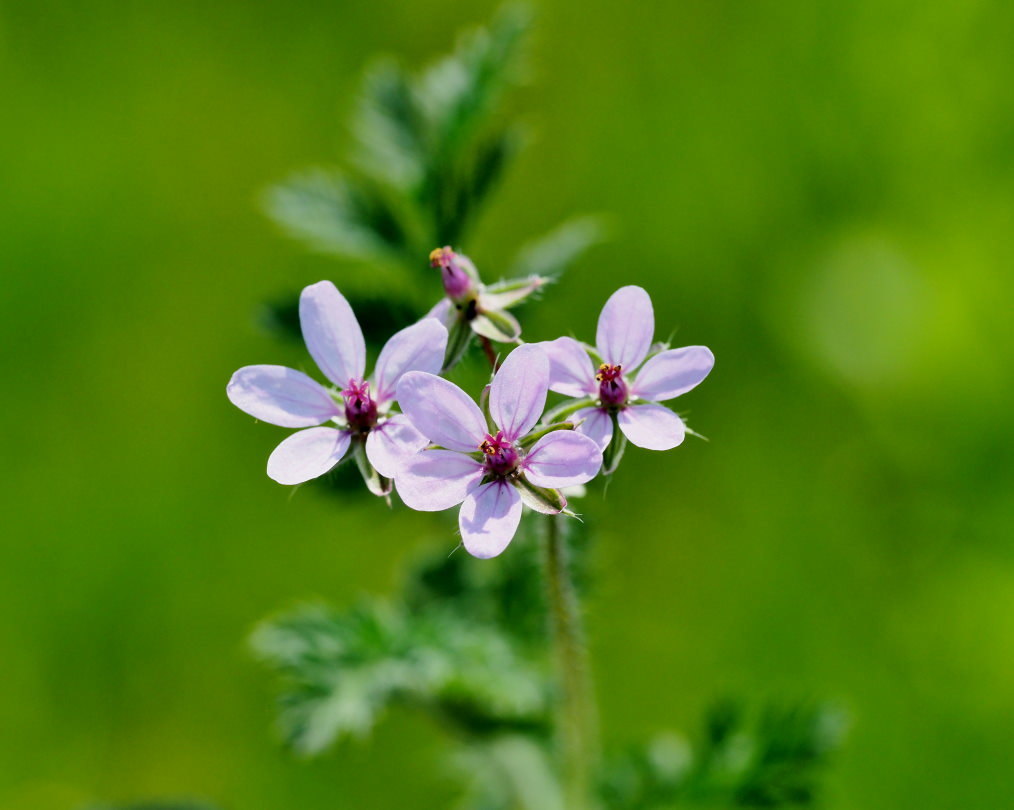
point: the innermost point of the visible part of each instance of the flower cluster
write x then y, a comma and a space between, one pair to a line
442, 449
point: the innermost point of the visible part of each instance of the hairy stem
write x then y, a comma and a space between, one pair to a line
577, 722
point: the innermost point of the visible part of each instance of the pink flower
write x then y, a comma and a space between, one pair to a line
489, 471
354, 411
618, 391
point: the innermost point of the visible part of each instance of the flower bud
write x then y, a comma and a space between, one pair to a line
456, 271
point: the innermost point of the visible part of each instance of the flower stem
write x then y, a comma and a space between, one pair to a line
577, 722
487, 346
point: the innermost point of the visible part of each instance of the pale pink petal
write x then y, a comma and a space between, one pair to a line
307, 454
441, 411
332, 333
563, 459
281, 396
653, 427
441, 309
626, 326
488, 519
597, 425
517, 395
419, 347
433, 480
571, 372
391, 443
673, 372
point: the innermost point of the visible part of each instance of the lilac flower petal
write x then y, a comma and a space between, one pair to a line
563, 459
597, 425
441, 411
441, 309
626, 326
571, 372
673, 372
307, 454
488, 519
517, 395
390, 444
281, 396
653, 427
419, 347
433, 480
332, 333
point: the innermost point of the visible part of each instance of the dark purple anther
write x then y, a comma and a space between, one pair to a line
501, 457
360, 409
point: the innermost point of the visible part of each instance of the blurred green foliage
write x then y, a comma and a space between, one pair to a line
817, 191
468, 644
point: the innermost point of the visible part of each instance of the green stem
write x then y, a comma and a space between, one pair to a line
577, 716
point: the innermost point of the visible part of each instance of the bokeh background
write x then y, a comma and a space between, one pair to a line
821, 192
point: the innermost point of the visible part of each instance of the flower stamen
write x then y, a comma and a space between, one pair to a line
501, 457
360, 407
613, 389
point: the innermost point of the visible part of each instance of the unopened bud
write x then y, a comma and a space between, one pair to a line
456, 271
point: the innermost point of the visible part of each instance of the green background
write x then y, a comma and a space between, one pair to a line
821, 192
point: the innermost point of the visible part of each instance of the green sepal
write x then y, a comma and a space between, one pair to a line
484, 404
614, 451
515, 284
375, 482
458, 339
565, 409
541, 499
497, 325
506, 294
535, 435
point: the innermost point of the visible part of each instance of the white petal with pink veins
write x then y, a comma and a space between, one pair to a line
673, 372
595, 423
626, 327
390, 444
332, 333
563, 459
517, 395
441, 411
434, 480
488, 519
419, 347
571, 372
653, 427
307, 454
281, 396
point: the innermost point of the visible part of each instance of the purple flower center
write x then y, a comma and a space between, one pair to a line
457, 282
360, 409
501, 457
613, 388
